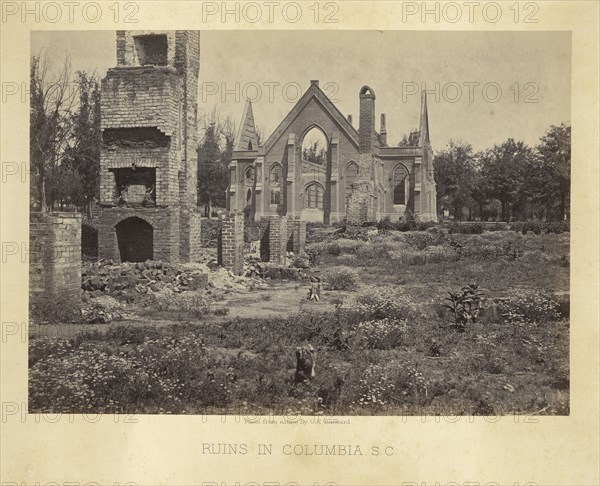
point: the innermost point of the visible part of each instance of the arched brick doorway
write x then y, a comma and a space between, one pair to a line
136, 240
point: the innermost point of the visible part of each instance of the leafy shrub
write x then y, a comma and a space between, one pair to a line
408, 223
385, 224
533, 306
386, 333
425, 225
316, 250
379, 303
465, 305
373, 251
439, 253
341, 278
421, 240
349, 246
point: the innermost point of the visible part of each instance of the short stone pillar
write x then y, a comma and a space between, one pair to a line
230, 243
54, 256
277, 239
296, 235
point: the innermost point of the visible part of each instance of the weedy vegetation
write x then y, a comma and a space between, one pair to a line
436, 320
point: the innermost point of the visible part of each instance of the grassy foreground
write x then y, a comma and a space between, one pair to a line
388, 340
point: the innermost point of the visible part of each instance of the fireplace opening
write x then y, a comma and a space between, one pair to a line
136, 186
135, 237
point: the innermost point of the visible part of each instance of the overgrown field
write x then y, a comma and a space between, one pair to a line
417, 322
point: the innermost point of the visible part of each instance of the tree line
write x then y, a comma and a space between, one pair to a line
508, 181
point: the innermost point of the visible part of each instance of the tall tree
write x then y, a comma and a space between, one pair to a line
52, 101
504, 170
455, 174
212, 174
84, 154
554, 150
214, 155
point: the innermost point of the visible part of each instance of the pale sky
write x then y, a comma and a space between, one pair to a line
525, 65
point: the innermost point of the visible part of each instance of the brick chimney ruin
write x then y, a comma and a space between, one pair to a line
361, 202
148, 196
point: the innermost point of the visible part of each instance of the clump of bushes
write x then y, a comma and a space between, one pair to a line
386, 224
533, 306
376, 302
466, 228
341, 278
384, 334
539, 227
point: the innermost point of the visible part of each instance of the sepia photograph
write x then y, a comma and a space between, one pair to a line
325, 223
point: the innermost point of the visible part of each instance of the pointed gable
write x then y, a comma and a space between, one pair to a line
246, 138
313, 93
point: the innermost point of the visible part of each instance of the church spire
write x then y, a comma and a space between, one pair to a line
246, 138
424, 122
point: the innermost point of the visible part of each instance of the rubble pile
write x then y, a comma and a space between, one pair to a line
254, 267
102, 310
126, 281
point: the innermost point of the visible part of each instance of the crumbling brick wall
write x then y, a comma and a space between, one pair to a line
55, 256
230, 244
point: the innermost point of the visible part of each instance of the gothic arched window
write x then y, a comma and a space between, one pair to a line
314, 146
400, 183
314, 196
275, 180
276, 173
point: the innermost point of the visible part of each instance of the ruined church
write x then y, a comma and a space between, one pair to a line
147, 208
318, 167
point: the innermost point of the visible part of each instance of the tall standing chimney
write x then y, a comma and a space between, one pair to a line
366, 124
383, 131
